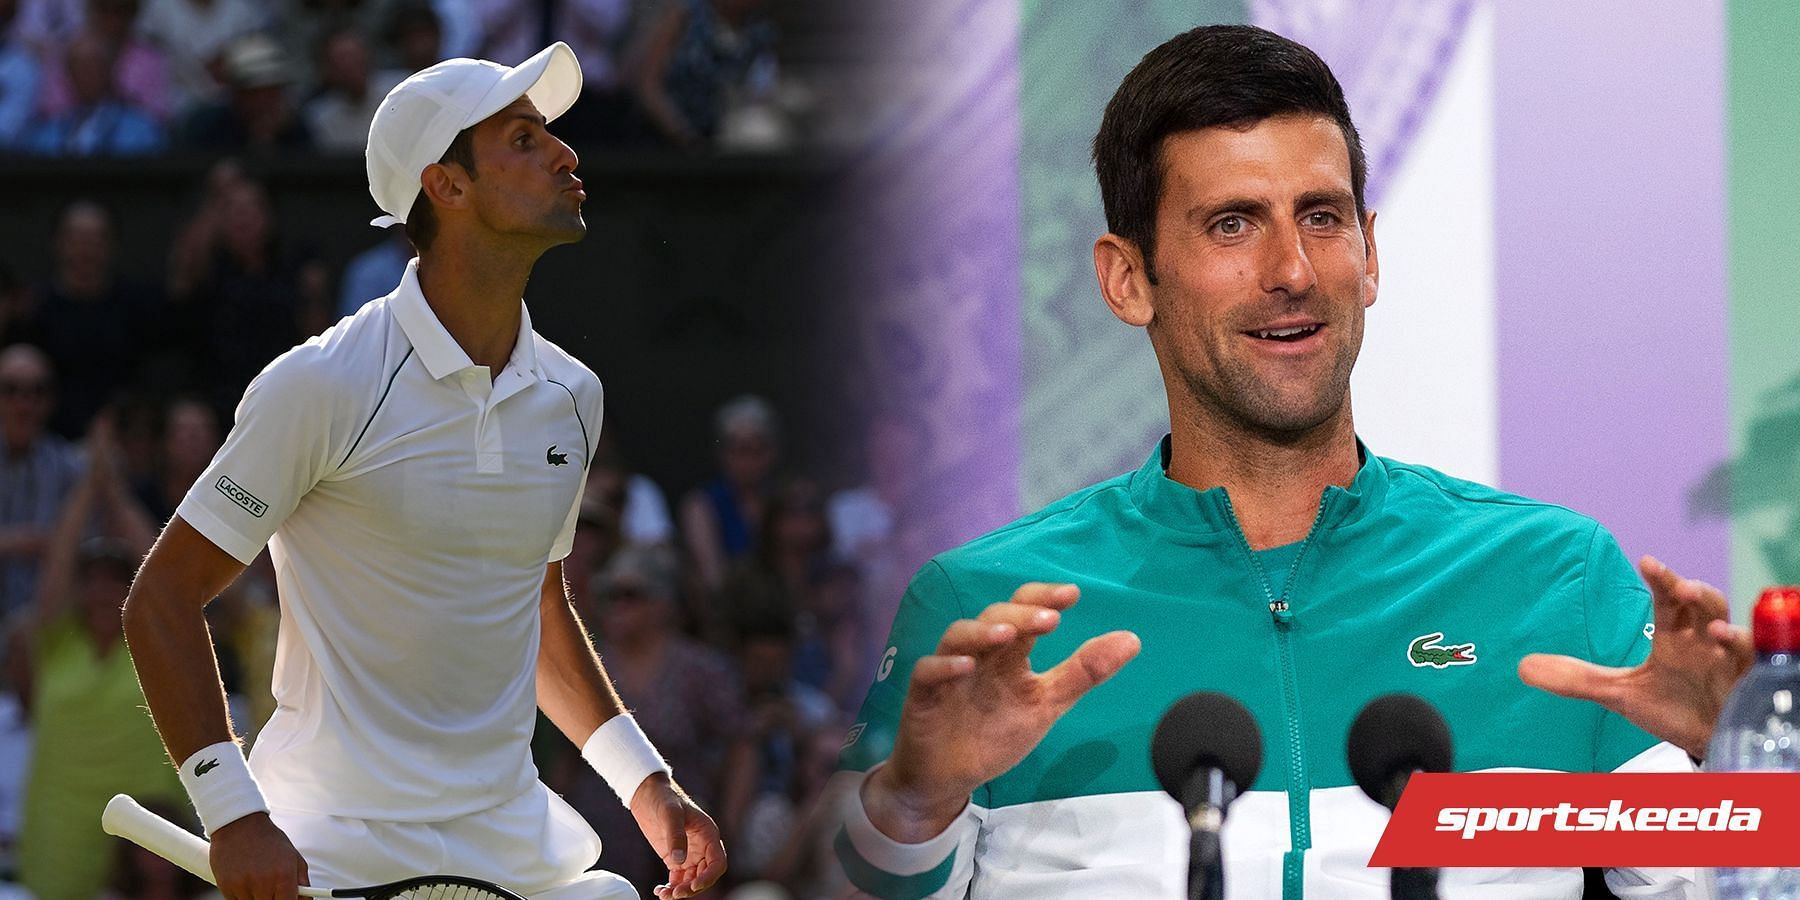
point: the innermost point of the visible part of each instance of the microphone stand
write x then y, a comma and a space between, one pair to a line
1206, 868
1408, 884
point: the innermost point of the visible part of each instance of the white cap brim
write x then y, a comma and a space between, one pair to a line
551, 78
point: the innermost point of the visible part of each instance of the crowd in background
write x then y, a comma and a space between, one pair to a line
735, 617
122, 78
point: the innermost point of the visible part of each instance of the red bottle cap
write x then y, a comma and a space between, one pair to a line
1775, 624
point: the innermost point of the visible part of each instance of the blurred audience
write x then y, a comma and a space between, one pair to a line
339, 113
37, 471
236, 295
86, 311
97, 122
718, 519
20, 77
193, 35
140, 74
785, 713
91, 735
375, 272
190, 436
258, 115
699, 56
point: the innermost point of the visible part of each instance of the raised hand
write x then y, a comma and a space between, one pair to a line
682, 834
1696, 657
975, 708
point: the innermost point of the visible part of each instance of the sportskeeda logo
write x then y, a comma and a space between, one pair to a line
1559, 819
1615, 816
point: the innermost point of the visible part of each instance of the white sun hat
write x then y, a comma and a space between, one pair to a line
422, 115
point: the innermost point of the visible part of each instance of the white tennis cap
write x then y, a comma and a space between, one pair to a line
421, 116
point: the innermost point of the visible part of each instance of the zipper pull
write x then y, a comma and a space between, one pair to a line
1279, 609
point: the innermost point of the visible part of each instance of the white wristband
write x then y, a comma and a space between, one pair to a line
219, 782
622, 755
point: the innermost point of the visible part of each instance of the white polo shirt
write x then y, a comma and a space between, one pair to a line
410, 502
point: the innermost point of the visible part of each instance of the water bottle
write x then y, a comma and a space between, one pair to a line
1759, 731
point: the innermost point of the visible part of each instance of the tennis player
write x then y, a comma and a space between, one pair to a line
415, 472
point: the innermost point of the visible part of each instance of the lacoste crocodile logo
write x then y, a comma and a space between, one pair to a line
1422, 653
554, 458
205, 766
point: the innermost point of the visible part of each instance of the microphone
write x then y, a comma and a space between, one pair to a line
1393, 737
1205, 750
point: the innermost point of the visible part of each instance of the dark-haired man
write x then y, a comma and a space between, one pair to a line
416, 472
1261, 551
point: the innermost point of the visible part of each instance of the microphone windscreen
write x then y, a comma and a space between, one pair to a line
1205, 729
1397, 734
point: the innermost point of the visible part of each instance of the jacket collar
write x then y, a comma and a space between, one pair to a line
1176, 506
436, 348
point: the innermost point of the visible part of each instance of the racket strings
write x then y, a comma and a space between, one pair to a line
441, 891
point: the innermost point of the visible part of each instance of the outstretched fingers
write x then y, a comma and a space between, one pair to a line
1567, 676
1096, 660
1681, 602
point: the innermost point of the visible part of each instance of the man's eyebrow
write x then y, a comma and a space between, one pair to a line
534, 118
1205, 210
1328, 197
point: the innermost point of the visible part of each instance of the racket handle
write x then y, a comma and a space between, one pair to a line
125, 818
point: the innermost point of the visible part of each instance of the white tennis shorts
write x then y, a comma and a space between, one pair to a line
533, 844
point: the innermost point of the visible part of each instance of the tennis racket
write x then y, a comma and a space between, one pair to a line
125, 818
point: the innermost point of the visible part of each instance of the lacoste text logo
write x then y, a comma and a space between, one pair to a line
205, 766
554, 458
250, 502
1425, 651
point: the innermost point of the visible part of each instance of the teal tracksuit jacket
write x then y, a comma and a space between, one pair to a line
1409, 580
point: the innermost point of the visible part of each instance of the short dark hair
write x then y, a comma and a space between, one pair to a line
1211, 76
421, 220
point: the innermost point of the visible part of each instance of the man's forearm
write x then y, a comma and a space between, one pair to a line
173, 652
572, 686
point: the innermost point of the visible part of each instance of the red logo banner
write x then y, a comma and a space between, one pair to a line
1627, 819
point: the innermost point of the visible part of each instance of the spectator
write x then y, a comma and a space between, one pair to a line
98, 122
190, 436
193, 35
248, 304
338, 116
19, 78
86, 313
141, 76
645, 518
258, 116
792, 543
415, 38
697, 721
784, 714
37, 470
718, 518
697, 53
92, 735
375, 272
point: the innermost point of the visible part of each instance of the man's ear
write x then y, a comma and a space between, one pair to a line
1124, 280
1371, 277
445, 184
